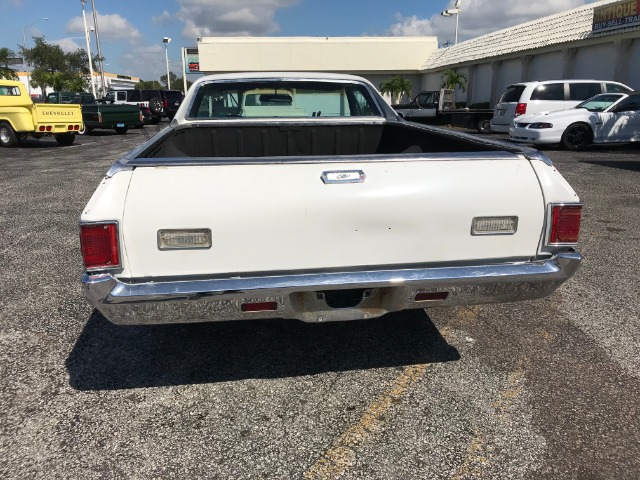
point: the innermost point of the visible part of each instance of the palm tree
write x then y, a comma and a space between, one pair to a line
396, 87
452, 80
6, 71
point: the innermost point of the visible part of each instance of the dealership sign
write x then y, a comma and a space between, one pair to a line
192, 58
616, 15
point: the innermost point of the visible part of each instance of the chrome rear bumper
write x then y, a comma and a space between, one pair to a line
302, 296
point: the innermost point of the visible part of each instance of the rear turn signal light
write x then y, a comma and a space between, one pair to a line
259, 307
565, 224
99, 245
521, 109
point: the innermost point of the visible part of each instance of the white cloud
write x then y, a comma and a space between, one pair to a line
165, 19
68, 44
148, 62
478, 17
230, 17
111, 26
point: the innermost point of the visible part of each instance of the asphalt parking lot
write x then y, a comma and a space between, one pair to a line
535, 390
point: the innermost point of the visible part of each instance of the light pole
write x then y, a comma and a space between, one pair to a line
100, 61
86, 37
453, 11
166, 41
24, 47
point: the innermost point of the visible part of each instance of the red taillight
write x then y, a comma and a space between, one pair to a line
165, 103
48, 128
41, 128
521, 109
565, 224
99, 244
70, 127
141, 117
76, 127
259, 307
99, 118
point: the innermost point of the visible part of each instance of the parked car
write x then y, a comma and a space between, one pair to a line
171, 101
20, 117
306, 196
528, 98
150, 99
605, 118
99, 116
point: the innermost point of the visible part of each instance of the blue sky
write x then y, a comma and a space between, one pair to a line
131, 31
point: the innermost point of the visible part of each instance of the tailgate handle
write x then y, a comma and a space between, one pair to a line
343, 176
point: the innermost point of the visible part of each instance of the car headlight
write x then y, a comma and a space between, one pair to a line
541, 125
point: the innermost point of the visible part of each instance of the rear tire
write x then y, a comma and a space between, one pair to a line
8, 137
85, 130
577, 136
483, 126
65, 139
121, 130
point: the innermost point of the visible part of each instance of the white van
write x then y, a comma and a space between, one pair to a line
527, 98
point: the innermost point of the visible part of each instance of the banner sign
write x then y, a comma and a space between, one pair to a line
622, 14
192, 60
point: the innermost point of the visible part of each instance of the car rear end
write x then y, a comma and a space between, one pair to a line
508, 107
200, 242
57, 119
171, 102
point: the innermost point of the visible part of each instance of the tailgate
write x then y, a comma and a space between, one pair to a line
114, 114
57, 114
276, 217
503, 114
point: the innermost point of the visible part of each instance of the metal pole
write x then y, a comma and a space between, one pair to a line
26, 67
95, 24
86, 37
457, 16
166, 57
184, 69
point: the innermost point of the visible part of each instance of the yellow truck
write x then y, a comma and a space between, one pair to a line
20, 117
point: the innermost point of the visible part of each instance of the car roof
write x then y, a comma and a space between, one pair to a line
573, 80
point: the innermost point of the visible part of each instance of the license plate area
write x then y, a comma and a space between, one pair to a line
120, 125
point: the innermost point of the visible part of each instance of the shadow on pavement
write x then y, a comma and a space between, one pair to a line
632, 164
107, 357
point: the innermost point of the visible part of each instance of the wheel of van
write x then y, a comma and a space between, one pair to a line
577, 136
483, 126
65, 139
155, 105
8, 137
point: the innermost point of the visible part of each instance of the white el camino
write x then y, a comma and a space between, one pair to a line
306, 196
605, 118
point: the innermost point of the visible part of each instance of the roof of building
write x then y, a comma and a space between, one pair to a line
563, 27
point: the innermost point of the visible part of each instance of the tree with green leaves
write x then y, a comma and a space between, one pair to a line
452, 80
163, 80
396, 87
6, 71
55, 68
148, 85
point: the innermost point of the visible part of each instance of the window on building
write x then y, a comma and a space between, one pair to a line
549, 91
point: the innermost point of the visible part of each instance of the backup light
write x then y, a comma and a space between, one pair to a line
187, 239
99, 245
565, 224
494, 226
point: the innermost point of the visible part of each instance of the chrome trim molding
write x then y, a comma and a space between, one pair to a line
117, 167
535, 155
198, 300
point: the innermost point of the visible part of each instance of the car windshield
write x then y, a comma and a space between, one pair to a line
599, 102
282, 98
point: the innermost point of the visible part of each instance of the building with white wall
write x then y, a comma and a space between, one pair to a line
600, 40
590, 42
111, 80
375, 58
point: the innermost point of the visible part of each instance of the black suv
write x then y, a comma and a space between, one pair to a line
171, 100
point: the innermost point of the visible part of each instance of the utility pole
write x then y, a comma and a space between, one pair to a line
95, 24
86, 37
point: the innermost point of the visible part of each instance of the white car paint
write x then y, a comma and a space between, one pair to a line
618, 122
